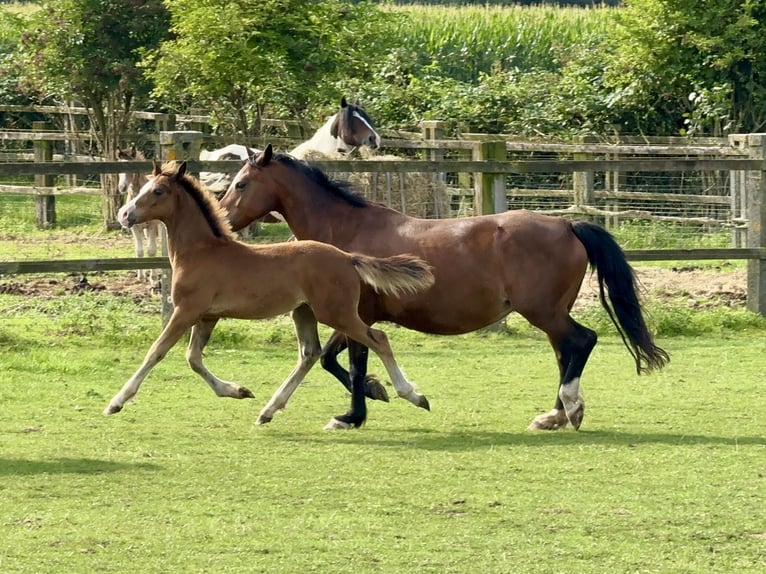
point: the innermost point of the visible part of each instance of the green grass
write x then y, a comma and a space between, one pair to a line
667, 473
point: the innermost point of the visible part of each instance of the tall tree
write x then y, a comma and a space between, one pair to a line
702, 62
86, 51
236, 57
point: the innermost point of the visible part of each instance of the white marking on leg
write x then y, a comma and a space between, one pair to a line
571, 395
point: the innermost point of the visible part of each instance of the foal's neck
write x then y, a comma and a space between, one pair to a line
188, 230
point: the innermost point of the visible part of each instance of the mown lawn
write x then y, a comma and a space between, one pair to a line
667, 474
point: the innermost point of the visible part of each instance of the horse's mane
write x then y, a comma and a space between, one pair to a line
340, 189
214, 214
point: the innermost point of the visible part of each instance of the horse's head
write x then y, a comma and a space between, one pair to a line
352, 127
155, 200
134, 180
252, 192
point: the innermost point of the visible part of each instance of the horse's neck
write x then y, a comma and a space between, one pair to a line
322, 141
188, 231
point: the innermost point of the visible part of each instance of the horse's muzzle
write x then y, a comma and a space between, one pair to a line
126, 218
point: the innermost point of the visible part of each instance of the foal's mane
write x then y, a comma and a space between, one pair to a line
340, 189
214, 214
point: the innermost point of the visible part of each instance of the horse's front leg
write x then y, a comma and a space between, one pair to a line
200, 336
177, 326
308, 352
152, 228
138, 243
335, 345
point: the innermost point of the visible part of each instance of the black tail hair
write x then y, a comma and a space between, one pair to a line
623, 306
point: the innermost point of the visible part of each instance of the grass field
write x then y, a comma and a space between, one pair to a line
667, 474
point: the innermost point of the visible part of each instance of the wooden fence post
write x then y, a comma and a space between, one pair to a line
755, 212
45, 205
434, 130
489, 193
174, 146
582, 181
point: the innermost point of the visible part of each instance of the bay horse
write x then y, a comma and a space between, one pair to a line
485, 268
129, 184
216, 276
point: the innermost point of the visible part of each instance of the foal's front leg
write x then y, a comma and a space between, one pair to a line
177, 326
200, 336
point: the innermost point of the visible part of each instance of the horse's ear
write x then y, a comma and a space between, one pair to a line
157, 168
357, 103
251, 153
133, 151
265, 157
335, 125
343, 102
181, 170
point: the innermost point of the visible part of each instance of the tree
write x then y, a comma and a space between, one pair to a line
698, 61
236, 58
86, 51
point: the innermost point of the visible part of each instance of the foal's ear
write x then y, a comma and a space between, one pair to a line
157, 168
181, 170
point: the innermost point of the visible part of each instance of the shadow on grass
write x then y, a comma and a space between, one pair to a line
478, 439
21, 467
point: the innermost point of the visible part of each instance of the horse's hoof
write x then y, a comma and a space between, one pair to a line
423, 403
577, 416
335, 424
245, 393
553, 420
375, 390
112, 409
263, 420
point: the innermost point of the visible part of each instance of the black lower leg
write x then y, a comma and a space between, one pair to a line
357, 354
373, 388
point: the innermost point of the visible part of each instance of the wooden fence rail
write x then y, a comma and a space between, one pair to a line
744, 160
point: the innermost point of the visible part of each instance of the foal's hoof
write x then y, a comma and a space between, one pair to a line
374, 389
245, 393
335, 424
263, 420
423, 403
112, 409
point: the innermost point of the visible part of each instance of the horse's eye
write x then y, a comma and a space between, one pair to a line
240, 186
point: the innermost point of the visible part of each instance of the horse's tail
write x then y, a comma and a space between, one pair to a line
614, 271
394, 275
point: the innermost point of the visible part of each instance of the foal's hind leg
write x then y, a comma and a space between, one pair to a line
572, 352
329, 360
308, 353
378, 342
200, 336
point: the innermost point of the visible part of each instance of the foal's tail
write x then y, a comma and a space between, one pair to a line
394, 275
612, 268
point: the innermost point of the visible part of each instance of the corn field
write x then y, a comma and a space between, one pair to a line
466, 41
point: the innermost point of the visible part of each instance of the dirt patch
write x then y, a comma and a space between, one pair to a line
694, 286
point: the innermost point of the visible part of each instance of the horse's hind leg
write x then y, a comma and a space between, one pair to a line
572, 352
200, 336
357, 414
308, 354
373, 388
138, 242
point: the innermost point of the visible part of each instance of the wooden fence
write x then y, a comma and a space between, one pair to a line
487, 163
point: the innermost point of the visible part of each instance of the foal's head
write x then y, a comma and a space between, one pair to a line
130, 183
353, 127
169, 195
275, 182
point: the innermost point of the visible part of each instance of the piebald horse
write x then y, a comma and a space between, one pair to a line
129, 184
215, 276
485, 268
